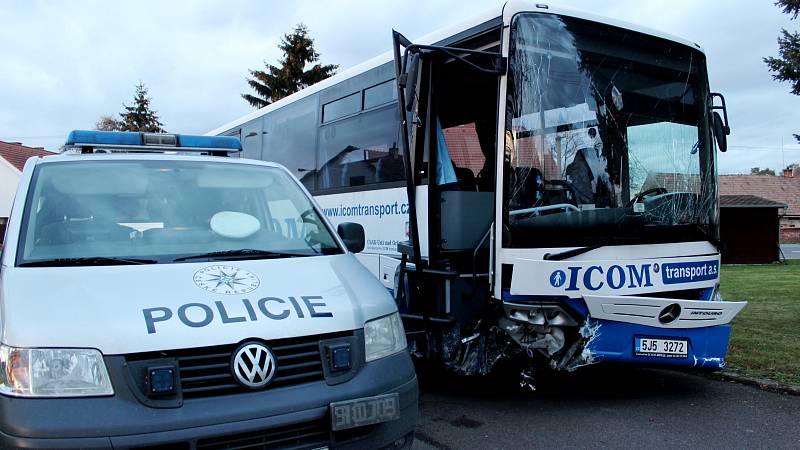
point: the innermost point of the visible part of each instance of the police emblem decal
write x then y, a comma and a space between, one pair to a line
226, 280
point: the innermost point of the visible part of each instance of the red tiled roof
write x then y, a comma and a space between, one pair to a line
778, 189
464, 147
16, 153
747, 201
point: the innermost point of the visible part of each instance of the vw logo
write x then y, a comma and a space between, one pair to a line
226, 280
253, 365
669, 313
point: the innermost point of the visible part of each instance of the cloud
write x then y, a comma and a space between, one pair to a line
67, 63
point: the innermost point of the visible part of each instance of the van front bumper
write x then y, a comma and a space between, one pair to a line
122, 421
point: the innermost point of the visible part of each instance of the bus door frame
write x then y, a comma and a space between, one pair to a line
408, 58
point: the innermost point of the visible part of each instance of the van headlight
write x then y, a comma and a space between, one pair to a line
53, 372
384, 337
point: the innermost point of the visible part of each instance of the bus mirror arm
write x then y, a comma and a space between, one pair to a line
720, 126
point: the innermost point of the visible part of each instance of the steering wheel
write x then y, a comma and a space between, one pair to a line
307, 216
654, 191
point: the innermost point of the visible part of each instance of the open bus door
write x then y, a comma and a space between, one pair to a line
448, 100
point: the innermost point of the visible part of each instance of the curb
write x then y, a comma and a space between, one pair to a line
760, 383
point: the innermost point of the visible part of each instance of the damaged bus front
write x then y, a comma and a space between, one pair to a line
594, 214
535, 184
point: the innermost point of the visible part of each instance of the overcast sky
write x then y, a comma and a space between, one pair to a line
66, 63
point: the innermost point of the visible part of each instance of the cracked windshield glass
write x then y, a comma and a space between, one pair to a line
607, 137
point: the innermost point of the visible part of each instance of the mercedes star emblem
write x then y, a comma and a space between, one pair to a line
669, 313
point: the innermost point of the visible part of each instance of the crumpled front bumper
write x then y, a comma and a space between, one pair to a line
615, 322
614, 342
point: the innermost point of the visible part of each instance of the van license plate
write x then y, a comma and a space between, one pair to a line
365, 411
664, 348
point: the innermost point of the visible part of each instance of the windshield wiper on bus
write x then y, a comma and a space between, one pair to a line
87, 261
247, 253
570, 253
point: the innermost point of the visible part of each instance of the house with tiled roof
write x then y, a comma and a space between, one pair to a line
12, 159
784, 190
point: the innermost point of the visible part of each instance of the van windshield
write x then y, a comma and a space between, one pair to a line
159, 211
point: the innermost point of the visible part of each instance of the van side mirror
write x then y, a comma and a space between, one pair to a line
353, 236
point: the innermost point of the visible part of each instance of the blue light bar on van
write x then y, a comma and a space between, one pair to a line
126, 141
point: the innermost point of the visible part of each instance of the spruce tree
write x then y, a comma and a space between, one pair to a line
787, 66
274, 83
139, 116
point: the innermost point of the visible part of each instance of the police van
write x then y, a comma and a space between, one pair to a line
156, 295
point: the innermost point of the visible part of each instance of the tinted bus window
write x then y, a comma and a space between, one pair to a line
380, 94
291, 138
360, 151
342, 107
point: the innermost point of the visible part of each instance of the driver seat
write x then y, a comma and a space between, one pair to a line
530, 187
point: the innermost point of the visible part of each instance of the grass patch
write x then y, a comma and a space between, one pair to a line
765, 340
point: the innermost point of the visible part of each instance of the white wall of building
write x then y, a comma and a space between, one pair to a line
9, 178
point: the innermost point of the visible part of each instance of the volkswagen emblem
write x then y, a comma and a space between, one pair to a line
253, 365
669, 313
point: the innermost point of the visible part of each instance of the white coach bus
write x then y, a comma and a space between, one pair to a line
551, 196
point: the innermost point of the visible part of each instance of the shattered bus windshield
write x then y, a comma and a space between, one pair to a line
607, 137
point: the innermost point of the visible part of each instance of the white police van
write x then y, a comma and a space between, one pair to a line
155, 295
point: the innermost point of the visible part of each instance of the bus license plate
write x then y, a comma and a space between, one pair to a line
364, 411
664, 348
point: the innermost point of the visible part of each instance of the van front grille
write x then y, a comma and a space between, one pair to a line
206, 371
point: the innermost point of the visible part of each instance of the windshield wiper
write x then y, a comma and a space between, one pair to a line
87, 261
248, 253
570, 253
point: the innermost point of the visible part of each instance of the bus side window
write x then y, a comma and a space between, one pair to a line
360, 150
290, 138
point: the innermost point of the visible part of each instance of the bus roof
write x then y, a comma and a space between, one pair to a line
505, 11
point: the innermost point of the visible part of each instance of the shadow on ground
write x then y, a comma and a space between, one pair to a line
601, 407
591, 382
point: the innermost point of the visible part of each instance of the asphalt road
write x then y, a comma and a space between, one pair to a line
791, 251
605, 408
